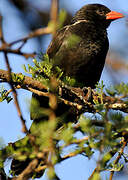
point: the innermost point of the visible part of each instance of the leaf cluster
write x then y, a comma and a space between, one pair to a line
104, 131
4, 95
43, 70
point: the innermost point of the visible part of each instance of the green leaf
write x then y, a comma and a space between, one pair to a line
99, 90
4, 95
116, 167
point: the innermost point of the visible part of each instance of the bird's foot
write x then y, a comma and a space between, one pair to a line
87, 93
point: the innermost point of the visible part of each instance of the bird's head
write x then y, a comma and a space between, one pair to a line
98, 14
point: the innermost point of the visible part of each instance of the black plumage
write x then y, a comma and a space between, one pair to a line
84, 60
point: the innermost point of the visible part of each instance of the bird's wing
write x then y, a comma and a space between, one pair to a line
56, 42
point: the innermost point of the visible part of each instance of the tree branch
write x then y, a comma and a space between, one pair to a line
82, 104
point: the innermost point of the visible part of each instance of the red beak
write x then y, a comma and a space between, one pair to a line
114, 15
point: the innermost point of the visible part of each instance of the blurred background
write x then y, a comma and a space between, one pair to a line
20, 17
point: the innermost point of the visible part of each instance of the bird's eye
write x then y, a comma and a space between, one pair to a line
101, 13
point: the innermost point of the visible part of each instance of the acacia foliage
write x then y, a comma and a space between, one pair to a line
102, 129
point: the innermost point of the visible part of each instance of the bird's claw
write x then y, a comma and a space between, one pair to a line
88, 93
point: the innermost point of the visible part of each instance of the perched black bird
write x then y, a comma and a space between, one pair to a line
84, 60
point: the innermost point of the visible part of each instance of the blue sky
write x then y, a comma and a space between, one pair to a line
10, 130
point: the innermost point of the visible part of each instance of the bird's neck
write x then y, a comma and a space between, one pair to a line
83, 26
96, 24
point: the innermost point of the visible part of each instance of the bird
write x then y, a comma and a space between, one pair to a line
83, 60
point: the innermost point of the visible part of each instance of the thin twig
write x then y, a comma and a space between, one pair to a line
17, 51
94, 171
118, 157
24, 128
26, 174
36, 33
1, 32
6, 47
72, 154
54, 15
